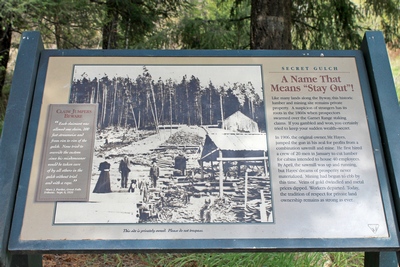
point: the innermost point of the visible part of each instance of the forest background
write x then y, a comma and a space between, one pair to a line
195, 24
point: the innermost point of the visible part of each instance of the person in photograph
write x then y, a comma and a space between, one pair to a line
205, 211
124, 170
103, 183
154, 173
145, 192
180, 163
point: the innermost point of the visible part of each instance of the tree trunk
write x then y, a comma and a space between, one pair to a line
222, 111
112, 116
187, 103
110, 28
155, 116
270, 24
5, 44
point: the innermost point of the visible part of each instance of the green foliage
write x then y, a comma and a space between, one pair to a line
10, 10
322, 24
395, 63
388, 12
132, 24
189, 24
67, 24
325, 25
81, 23
215, 25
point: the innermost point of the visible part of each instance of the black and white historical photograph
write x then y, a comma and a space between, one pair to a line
174, 144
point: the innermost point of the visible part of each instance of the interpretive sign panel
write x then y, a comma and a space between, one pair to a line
204, 148
67, 156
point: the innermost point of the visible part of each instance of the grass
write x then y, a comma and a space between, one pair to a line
257, 259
